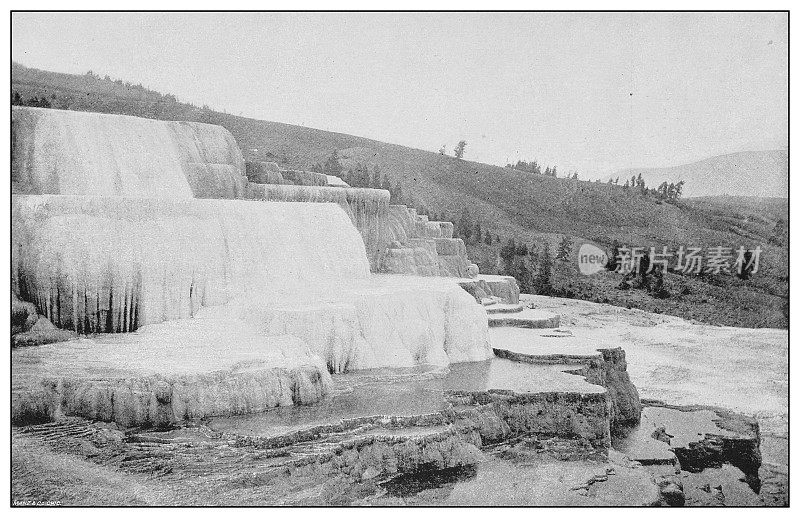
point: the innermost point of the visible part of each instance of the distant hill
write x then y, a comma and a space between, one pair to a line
530, 208
751, 173
775, 206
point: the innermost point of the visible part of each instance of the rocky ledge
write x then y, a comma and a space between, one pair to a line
601, 366
699, 455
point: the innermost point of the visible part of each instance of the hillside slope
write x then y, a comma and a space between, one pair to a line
755, 173
512, 201
530, 208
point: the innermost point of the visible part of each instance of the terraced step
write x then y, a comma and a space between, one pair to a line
528, 318
501, 308
376, 423
361, 401
426, 415
506, 399
500, 375
373, 450
542, 346
167, 374
599, 363
369, 405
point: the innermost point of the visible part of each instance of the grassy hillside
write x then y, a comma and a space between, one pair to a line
531, 209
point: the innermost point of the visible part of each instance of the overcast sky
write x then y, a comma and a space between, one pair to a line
589, 92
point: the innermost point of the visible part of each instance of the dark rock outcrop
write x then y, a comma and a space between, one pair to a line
23, 315
612, 373
41, 333
501, 415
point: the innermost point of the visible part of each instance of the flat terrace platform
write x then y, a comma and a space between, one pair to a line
542, 345
527, 318
165, 374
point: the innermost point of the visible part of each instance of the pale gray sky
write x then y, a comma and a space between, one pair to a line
589, 92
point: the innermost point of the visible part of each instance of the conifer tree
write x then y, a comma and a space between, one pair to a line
397, 198
332, 165
678, 189
507, 253
385, 185
465, 225
521, 270
544, 283
564, 249
611, 265
459, 150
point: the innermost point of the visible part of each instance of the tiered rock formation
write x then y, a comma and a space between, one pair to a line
109, 235
81, 153
398, 240
423, 247
367, 209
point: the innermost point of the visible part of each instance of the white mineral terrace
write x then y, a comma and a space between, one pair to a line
367, 208
197, 367
98, 264
68, 152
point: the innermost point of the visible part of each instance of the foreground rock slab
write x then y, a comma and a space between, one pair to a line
711, 456
413, 466
546, 482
